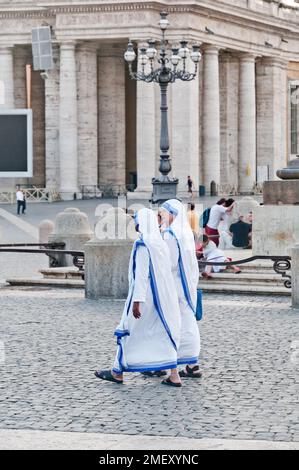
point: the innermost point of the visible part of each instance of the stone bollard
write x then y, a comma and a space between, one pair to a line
72, 228
244, 206
107, 256
295, 276
45, 229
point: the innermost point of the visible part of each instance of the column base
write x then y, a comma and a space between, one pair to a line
70, 194
141, 193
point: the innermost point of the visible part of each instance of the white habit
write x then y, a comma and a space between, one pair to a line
151, 342
180, 241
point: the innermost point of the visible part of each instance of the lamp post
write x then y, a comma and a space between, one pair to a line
172, 67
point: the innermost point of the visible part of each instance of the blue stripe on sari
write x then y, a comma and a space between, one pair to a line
187, 360
183, 275
158, 305
120, 334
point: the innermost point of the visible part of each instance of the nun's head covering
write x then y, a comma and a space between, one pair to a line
182, 231
147, 224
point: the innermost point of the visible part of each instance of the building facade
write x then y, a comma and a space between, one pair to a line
235, 125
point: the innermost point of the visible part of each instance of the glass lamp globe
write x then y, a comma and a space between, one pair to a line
175, 58
163, 20
183, 50
130, 55
151, 51
195, 54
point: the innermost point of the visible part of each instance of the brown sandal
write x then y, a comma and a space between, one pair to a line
191, 372
171, 383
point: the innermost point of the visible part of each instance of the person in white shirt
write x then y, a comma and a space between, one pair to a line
20, 200
212, 253
216, 215
225, 241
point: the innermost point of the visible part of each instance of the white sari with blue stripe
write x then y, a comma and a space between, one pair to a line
151, 342
180, 240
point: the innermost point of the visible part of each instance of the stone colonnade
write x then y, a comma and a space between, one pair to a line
227, 126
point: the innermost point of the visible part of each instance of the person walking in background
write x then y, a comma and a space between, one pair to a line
21, 202
193, 218
190, 185
216, 215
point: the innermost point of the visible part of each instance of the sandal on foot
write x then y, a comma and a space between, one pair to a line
157, 373
107, 375
171, 383
206, 275
191, 372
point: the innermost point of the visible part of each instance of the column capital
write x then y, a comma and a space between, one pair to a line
67, 45
210, 49
6, 49
247, 57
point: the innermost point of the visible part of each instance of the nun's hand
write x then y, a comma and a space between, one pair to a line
136, 310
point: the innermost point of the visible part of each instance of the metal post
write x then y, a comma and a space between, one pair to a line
165, 187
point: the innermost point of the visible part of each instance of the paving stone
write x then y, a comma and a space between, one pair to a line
54, 340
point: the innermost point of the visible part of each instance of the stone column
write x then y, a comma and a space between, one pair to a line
271, 115
185, 135
6, 78
295, 276
211, 116
229, 112
7, 99
112, 111
247, 124
146, 137
87, 114
52, 123
68, 122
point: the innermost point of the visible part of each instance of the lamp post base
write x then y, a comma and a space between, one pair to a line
164, 190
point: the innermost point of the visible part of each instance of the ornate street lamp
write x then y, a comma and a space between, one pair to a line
173, 66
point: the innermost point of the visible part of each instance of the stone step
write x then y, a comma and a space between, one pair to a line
254, 266
40, 282
61, 273
230, 288
245, 278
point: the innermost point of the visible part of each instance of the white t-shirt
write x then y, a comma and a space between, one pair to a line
211, 252
227, 221
216, 215
20, 196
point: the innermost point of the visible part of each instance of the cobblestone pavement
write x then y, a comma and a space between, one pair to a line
54, 339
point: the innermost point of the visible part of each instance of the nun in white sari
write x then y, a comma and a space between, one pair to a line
180, 240
149, 331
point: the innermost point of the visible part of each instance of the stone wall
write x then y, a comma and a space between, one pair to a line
275, 229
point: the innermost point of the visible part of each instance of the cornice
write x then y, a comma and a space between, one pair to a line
208, 8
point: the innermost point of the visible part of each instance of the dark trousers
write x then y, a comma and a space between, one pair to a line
21, 204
